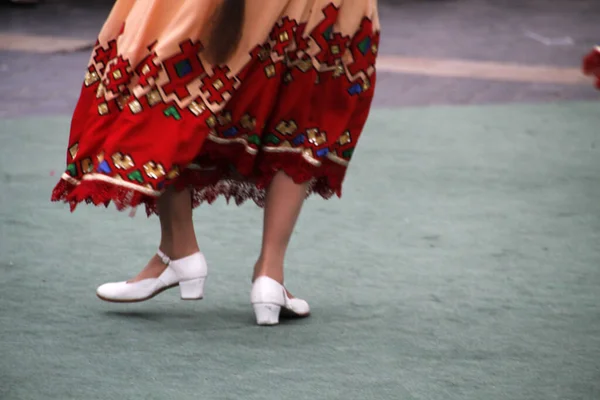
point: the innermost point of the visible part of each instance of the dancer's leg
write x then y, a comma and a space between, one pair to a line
178, 238
283, 204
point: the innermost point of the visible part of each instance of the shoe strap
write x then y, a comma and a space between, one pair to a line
163, 257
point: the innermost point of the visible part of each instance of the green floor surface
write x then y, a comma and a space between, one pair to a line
462, 263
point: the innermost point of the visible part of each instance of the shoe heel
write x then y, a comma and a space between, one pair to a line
266, 314
192, 289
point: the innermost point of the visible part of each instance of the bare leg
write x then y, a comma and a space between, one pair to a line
178, 238
283, 204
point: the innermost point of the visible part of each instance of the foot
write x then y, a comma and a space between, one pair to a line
161, 273
153, 269
271, 300
158, 263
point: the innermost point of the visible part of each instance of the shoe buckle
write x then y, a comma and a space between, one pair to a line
163, 257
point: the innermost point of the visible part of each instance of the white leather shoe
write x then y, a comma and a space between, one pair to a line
189, 273
270, 301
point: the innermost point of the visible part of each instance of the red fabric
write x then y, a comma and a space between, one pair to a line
236, 152
591, 65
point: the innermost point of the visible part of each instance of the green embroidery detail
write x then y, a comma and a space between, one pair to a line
136, 176
364, 45
272, 139
72, 169
348, 153
254, 139
172, 112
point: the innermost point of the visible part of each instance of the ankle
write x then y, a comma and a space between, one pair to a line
271, 270
175, 252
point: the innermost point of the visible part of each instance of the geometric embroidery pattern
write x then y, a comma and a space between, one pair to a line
290, 54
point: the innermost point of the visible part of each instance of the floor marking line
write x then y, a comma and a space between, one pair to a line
42, 44
481, 70
450, 68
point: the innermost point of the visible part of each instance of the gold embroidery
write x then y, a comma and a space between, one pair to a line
196, 108
122, 161
345, 138
218, 84
263, 54
122, 101
73, 150
91, 78
305, 65
211, 121
286, 128
153, 97
224, 118
101, 91
174, 173
87, 165
103, 109
270, 70
315, 137
247, 122
135, 107
154, 170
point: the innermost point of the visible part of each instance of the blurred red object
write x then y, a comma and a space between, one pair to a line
591, 65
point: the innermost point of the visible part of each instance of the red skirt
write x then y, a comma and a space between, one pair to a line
154, 113
591, 65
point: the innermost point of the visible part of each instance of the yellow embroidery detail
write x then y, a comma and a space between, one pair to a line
345, 138
87, 165
225, 118
248, 123
153, 170
122, 161
153, 97
73, 150
122, 101
197, 108
135, 107
101, 91
174, 173
218, 84
91, 78
103, 109
211, 121
286, 128
270, 70
315, 137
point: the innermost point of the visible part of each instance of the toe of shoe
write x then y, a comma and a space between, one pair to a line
299, 306
109, 290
